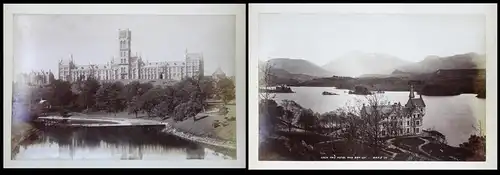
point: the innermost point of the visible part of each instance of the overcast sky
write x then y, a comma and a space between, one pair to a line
40, 41
321, 38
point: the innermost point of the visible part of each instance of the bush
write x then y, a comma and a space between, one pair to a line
232, 118
223, 110
216, 123
186, 110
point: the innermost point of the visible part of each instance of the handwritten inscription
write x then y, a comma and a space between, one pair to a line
353, 158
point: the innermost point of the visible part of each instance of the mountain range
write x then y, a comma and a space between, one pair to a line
360, 64
433, 63
299, 66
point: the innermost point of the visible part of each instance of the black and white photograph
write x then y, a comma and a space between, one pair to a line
372, 87
125, 87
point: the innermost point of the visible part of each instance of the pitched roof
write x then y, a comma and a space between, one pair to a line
385, 109
415, 102
219, 72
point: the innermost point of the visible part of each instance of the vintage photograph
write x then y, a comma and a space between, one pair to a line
372, 87
124, 87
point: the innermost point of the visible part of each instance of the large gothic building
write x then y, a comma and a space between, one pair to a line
396, 119
132, 67
35, 78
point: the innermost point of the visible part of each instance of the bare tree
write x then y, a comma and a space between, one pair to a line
365, 121
291, 113
265, 81
352, 125
374, 116
333, 123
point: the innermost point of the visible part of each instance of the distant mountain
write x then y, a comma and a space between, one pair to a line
281, 76
299, 66
433, 63
355, 64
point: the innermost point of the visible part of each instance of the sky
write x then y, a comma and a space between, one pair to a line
40, 41
320, 38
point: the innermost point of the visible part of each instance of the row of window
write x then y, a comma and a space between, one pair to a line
417, 123
124, 61
415, 131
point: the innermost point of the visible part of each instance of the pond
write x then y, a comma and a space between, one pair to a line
110, 143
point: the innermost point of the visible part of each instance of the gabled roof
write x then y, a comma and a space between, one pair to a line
385, 109
219, 72
415, 102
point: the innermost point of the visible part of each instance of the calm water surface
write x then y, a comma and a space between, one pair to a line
110, 144
454, 116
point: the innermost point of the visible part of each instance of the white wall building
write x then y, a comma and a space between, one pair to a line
34, 78
398, 120
133, 67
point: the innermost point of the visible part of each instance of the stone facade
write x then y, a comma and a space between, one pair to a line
398, 120
35, 78
133, 67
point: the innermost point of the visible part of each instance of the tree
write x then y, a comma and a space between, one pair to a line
60, 94
186, 110
266, 80
131, 90
88, 92
475, 147
143, 88
164, 109
227, 89
307, 119
269, 113
102, 96
291, 111
148, 101
207, 87
362, 90
374, 116
115, 102
331, 121
133, 106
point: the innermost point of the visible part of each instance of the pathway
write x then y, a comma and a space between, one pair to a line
422, 150
391, 145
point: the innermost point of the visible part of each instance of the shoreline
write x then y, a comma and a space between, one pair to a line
198, 139
18, 135
169, 129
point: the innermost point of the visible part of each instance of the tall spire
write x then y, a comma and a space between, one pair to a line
412, 93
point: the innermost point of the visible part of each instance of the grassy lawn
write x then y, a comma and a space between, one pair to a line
444, 152
412, 141
204, 126
201, 127
410, 144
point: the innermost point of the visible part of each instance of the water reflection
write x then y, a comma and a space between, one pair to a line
109, 143
457, 117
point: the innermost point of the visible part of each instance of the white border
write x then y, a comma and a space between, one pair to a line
157, 9
488, 10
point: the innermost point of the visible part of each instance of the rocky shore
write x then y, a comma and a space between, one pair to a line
205, 140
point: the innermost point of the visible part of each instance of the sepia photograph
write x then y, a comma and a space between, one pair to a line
124, 87
372, 87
